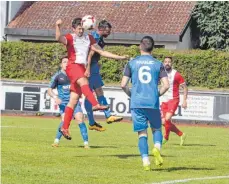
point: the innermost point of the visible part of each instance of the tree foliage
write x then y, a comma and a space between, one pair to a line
39, 61
213, 21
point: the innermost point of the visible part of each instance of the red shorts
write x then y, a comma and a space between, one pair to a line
74, 72
169, 106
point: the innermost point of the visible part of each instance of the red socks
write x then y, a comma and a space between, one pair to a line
68, 113
176, 130
89, 95
167, 129
170, 127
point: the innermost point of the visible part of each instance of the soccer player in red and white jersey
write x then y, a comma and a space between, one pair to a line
78, 46
172, 96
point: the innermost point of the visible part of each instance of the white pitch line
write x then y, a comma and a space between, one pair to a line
191, 179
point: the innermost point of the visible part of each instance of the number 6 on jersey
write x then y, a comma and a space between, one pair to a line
144, 74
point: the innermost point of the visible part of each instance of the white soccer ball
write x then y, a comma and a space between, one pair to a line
88, 22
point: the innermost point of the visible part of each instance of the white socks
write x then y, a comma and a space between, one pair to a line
158, 146
56, 141
145, 161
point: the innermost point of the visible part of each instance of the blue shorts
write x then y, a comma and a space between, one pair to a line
141, 117
76, 110
95, 81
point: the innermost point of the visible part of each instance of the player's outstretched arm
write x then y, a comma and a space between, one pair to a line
60, 38
165, 85
107, 54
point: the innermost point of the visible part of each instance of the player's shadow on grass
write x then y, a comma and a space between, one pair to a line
125, 156
121, 156
195, 145
171, 169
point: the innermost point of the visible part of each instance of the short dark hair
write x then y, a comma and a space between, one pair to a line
147, 44
169, 57
63, 57
76, 22
104, 24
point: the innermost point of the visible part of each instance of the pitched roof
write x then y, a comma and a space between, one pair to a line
166, 18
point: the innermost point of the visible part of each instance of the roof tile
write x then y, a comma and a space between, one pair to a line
126, 17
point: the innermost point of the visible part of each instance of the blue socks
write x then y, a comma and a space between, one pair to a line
58, 133
157, 136
88, 108
143, 146
102, 100
83, 131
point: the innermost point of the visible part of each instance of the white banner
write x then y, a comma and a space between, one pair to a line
199, 107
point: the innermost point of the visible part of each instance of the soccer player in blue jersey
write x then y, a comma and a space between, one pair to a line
61, 82
145, 73
95, 79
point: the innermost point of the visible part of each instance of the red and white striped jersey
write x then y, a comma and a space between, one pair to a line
78, 47
175, 80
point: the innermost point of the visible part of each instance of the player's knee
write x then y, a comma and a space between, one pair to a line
168, 116
142, 134
156, 129
74, 98
82, 81
72, 103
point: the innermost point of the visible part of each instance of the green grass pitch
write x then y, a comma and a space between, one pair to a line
28, 158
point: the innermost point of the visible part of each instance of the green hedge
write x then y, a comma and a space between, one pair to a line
38, 61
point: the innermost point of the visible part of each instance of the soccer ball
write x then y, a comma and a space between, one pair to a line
88, 22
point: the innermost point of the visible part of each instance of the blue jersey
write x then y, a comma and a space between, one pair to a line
62, 83
96, 57
145, 73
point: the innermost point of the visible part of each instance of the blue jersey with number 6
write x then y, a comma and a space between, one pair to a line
145, 73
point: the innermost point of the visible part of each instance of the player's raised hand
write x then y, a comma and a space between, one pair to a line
59, 22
